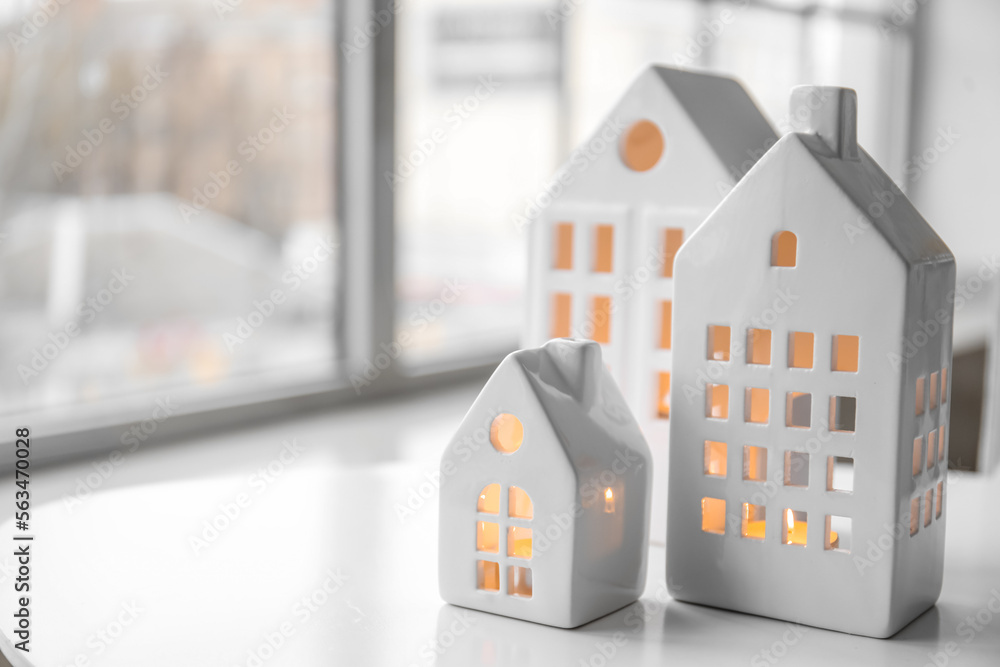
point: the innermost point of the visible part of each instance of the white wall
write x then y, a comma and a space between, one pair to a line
957, 87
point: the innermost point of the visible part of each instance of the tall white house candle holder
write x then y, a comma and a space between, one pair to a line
812, 350
601, 259
545, 492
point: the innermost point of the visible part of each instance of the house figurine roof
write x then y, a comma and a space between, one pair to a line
578, 396
824, 120
724, 112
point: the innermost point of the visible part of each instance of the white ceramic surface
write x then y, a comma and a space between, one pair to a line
360, 498
585, 466
712, 134
866, 265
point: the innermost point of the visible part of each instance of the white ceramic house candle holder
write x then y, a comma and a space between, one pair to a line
813, 340
601, 255
545, 493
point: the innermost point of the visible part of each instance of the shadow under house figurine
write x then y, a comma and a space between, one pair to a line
601, 255
545, 492
812, 340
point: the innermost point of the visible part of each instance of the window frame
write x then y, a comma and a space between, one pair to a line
364, 115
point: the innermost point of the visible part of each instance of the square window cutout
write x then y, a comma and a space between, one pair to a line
928, 504
754, 463
918, 447
843, 411
487, 536
794, 527
941, 444
715, 458
914, 516
944, 385
919, 398
940, 500
798, 409
519, 581
800, 349
796, 469
563, 259
840, 474
713, 515
756, 405
717, 401
759, 346
718, 343
845, 354
663, 395
487, 575
753, 521
837, 533
518, 542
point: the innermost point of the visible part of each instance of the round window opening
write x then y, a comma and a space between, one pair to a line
642, 146
507, 433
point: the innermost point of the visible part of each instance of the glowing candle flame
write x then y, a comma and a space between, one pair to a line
609, 500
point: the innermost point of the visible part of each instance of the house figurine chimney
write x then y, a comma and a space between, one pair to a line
830, 113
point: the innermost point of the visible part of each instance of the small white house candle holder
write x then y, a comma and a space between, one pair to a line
812, 340
601, 255
545, 492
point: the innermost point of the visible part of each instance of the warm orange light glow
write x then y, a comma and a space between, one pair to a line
562, 305
507, 433
519, 505
642, 146
564, 246
487, 575
487, 537
783, 247
609, 501
672, 241
795, 531
604, 236
489, 499
663, 403
519, 542
600, 309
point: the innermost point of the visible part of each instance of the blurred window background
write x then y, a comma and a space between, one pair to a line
492, 96
166, 186
168, 170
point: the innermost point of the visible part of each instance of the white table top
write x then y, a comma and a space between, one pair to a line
117, 579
